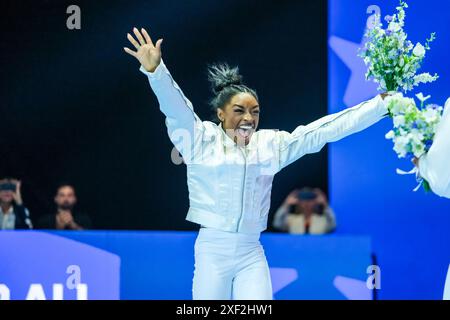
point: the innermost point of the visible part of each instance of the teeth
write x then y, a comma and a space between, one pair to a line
245, 127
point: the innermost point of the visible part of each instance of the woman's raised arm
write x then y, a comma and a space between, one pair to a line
184, 126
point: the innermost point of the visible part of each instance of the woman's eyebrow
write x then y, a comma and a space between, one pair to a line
237, 105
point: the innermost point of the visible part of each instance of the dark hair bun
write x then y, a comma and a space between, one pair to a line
222, 75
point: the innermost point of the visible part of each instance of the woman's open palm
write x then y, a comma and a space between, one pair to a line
148, 54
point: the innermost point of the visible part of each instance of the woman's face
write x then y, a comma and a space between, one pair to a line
240, 117
6, 196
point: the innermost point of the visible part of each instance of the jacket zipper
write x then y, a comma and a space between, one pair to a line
243, 188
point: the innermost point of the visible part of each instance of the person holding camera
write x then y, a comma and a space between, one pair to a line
13, 214
305, 211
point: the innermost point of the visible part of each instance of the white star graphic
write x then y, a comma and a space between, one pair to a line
358, 89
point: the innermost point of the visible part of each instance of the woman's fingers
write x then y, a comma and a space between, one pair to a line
143, 40
133, 42
147, 37
158, 44
139, 36
130, 52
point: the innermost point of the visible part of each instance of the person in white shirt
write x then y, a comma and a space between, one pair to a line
434, 166
13, 214
231, 166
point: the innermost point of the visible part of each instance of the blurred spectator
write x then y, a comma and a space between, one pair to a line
65, 217
13, 215
305, 211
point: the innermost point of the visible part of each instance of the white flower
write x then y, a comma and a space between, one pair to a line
390, 135
430, 115
419, 50
415, 136
422, 98
402, 131
400, 146
397, 104
399, 121
418, 149
394, 27
424, 78
392, 54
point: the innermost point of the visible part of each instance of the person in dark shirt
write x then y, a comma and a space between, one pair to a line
65, 217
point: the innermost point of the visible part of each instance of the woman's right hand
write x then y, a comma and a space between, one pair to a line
149, 55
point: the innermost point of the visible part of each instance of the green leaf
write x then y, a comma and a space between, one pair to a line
426, 186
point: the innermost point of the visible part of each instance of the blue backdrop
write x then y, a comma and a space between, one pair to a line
410, 230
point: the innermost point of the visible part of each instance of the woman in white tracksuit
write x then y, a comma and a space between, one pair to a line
230, 168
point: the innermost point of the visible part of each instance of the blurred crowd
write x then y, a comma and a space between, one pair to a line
14, 214
304, 211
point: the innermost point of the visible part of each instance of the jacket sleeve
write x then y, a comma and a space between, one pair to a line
312, 137
183, 125
434, 166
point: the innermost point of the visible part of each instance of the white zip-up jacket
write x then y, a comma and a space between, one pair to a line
230, 185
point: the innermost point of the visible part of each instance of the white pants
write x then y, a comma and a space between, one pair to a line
230, 265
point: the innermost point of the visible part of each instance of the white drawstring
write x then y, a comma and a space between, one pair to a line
412, 171
415, 171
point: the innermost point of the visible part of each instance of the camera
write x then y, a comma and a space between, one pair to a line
7, 186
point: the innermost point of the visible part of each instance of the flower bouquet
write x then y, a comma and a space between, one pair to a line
414, 127
392, 61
